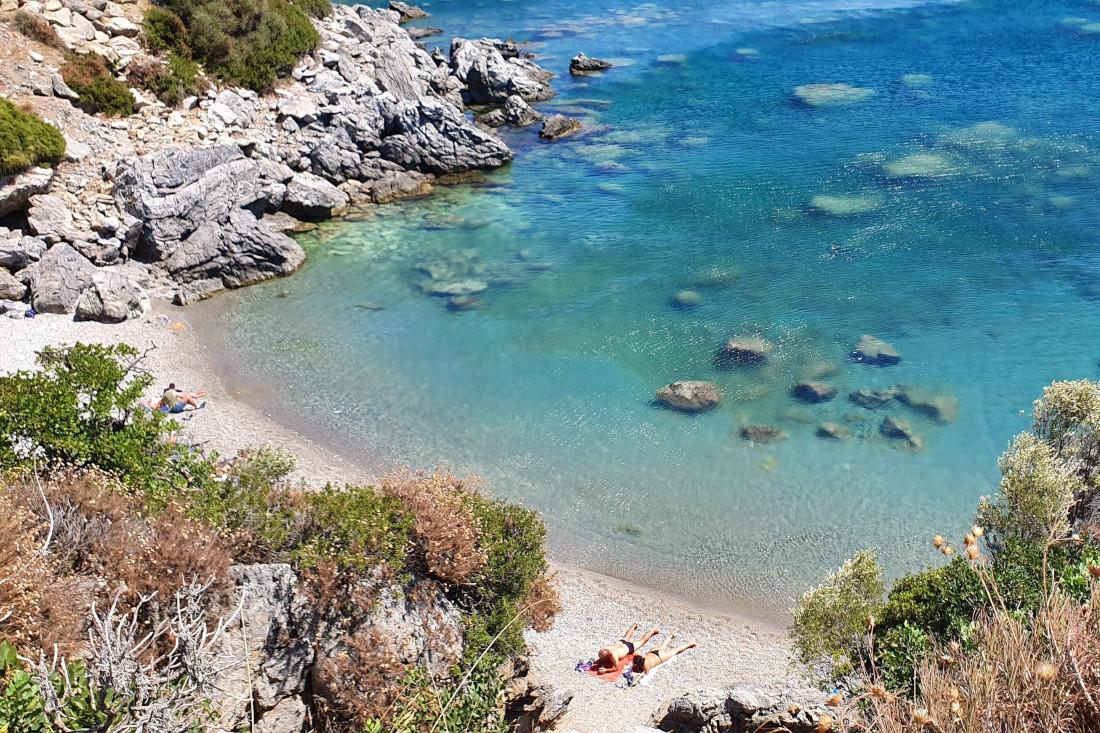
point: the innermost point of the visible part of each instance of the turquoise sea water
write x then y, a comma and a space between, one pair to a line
984, 272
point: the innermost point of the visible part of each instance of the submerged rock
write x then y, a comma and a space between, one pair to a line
871, 350
920, 165
917, 81
686, 300
556, 127
455, 288
813, 392
833, 431
762, 434
902, 433
942, 408
690, 396
831, 95
872, 399
581, 64
713, 278
846, 205
746, 350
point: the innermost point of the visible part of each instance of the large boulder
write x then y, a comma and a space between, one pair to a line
762, 434
872, 350
745, 709
690, 396
112, 296
49, 217
15, 254
16, 191
556, 127
10, 288
406, 11
515, 112
238, 251
177, 191
57, 279
872, 399
312, 198
491, 77
581, 64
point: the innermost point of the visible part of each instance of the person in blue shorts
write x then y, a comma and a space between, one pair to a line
174, 401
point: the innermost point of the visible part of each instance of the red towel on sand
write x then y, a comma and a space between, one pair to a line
610, 675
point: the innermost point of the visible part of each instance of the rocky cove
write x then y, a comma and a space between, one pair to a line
183, 203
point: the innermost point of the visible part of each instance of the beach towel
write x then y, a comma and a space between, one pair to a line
607, 675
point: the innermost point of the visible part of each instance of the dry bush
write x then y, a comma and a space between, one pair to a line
359, 683
446, 529
543, 603
1022, 676
38, 608
37, 28
342, 599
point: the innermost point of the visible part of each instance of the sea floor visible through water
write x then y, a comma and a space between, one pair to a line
945, 200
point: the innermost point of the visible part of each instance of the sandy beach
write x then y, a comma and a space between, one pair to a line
733, 651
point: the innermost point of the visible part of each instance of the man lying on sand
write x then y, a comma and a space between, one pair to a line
174, 401
609, 657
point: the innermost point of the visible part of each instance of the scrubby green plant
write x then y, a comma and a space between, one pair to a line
82, 408
832, 620
245, 42
170, 81
356, 528
36, 28
91, 77
26, 140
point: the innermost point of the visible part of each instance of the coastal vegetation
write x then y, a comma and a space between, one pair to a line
246, 42
1006, 634
26, 140
36, 28
118, 542
91, 77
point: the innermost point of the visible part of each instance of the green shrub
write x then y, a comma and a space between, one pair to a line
89, 75
831, 620
314, 8
164, 31
37, 28
245, 42
170, 82
355, 528
939, 601
897, 653
26, 140
82, 408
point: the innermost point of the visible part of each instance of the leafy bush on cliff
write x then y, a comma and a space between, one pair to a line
26, 140
171, 81
91, 77
246, 42
1007, 634
82, 408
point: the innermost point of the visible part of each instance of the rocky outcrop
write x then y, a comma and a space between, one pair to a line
10, 288
556, 127
407, 12
530, 703
312, 198
581, 64
494, 70
515, 112
743, 711
690, 396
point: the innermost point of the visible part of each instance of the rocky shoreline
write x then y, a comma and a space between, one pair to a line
180, 204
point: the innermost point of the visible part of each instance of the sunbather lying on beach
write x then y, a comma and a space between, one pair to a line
175, 401
609, 656
646, 663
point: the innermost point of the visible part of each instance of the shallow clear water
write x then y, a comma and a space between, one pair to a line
984, 273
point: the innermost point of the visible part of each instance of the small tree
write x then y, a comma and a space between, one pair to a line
831, 620
82, 408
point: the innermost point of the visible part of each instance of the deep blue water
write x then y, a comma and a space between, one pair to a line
985, 274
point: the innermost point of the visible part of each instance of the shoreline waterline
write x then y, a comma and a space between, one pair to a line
208, 342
